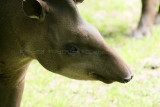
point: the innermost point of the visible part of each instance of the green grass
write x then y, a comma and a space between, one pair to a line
114, 19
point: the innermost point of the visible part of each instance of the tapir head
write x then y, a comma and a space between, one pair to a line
64, 43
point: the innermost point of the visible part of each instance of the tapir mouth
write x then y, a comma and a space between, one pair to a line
107, 81
101, 78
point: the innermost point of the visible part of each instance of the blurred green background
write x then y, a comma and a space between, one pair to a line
115, 19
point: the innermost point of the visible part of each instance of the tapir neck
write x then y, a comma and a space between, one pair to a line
15, 30
12, 38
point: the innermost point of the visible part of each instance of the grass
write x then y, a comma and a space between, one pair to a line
114, 19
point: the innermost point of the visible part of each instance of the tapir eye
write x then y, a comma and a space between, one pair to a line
71, 48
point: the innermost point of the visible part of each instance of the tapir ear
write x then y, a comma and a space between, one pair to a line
33, 9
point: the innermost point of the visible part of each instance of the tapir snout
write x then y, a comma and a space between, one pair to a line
107, 65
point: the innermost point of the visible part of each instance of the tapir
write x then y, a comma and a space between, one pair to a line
54, 33
149, 17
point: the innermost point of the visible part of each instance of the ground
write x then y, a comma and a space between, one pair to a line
115, 19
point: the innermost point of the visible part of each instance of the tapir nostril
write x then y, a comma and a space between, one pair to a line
125, 80
131, 76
